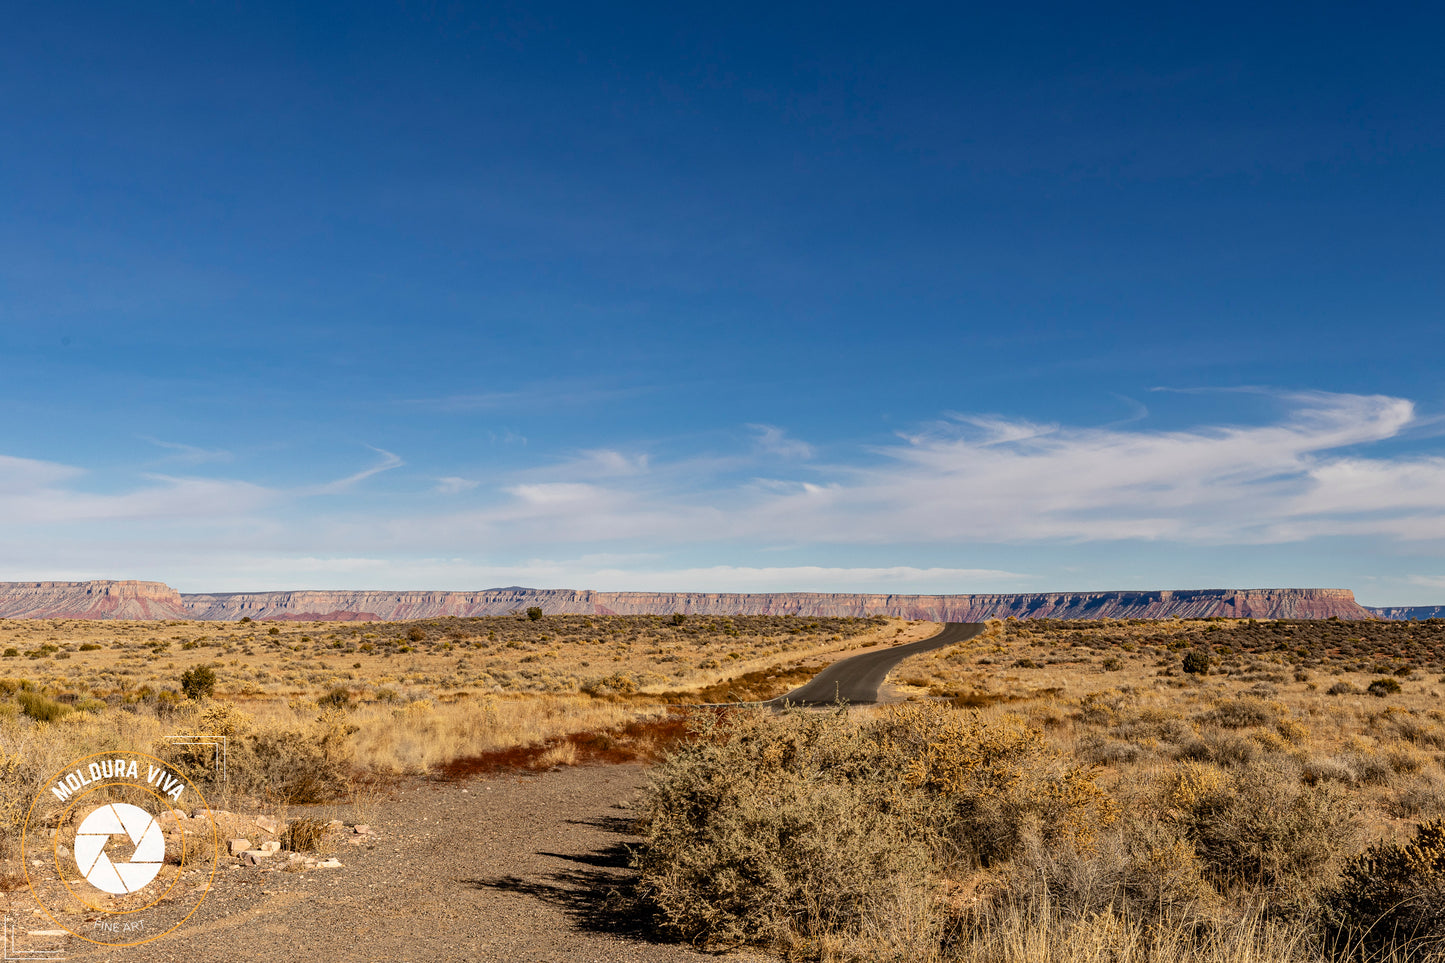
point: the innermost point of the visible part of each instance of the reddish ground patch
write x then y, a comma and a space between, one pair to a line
642, 740
758, 686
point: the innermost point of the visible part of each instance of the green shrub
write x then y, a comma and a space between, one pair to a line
534, 613
337, 698
1392, 894
678, 618
1383, 686
199, 682
90, 647
1196, 663
416, 633
12, 653
41, 709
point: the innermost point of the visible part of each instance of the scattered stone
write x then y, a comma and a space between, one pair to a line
336, 824
329, 864
253, 857
238, 846
361, 829
271, 846
268, 824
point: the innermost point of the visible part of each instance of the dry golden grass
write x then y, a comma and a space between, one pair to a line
435, 657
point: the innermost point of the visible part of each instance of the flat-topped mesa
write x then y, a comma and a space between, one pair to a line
380, 606
100, 599
339, 605
154, 600
1192, 603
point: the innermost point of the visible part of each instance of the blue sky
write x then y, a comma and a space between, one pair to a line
941, 299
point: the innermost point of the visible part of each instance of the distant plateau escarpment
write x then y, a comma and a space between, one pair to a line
1409, 613
156, 600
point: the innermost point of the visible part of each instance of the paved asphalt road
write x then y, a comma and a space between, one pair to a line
856, 680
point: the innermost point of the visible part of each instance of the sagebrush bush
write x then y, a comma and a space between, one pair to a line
769, 830
1142, 868
775, 830
1264, 826
1244, 711
41, 709
301, 763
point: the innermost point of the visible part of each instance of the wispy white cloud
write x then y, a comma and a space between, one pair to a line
24, 475
1428, 581
454, 485
190, 454
539, 396
992, 479
775, 441
387, 463
1321, 468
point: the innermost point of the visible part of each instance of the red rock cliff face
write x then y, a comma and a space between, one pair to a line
153, 600
90, 600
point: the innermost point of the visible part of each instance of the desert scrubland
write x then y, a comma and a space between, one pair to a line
1114, 790
1204, 789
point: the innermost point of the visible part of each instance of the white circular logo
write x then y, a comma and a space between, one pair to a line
116, 819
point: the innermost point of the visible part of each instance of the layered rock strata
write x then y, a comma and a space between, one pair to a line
154, 600
102, 599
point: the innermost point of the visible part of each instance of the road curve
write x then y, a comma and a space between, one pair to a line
856, 680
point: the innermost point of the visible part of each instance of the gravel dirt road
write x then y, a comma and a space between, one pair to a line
512, 867
857, 680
